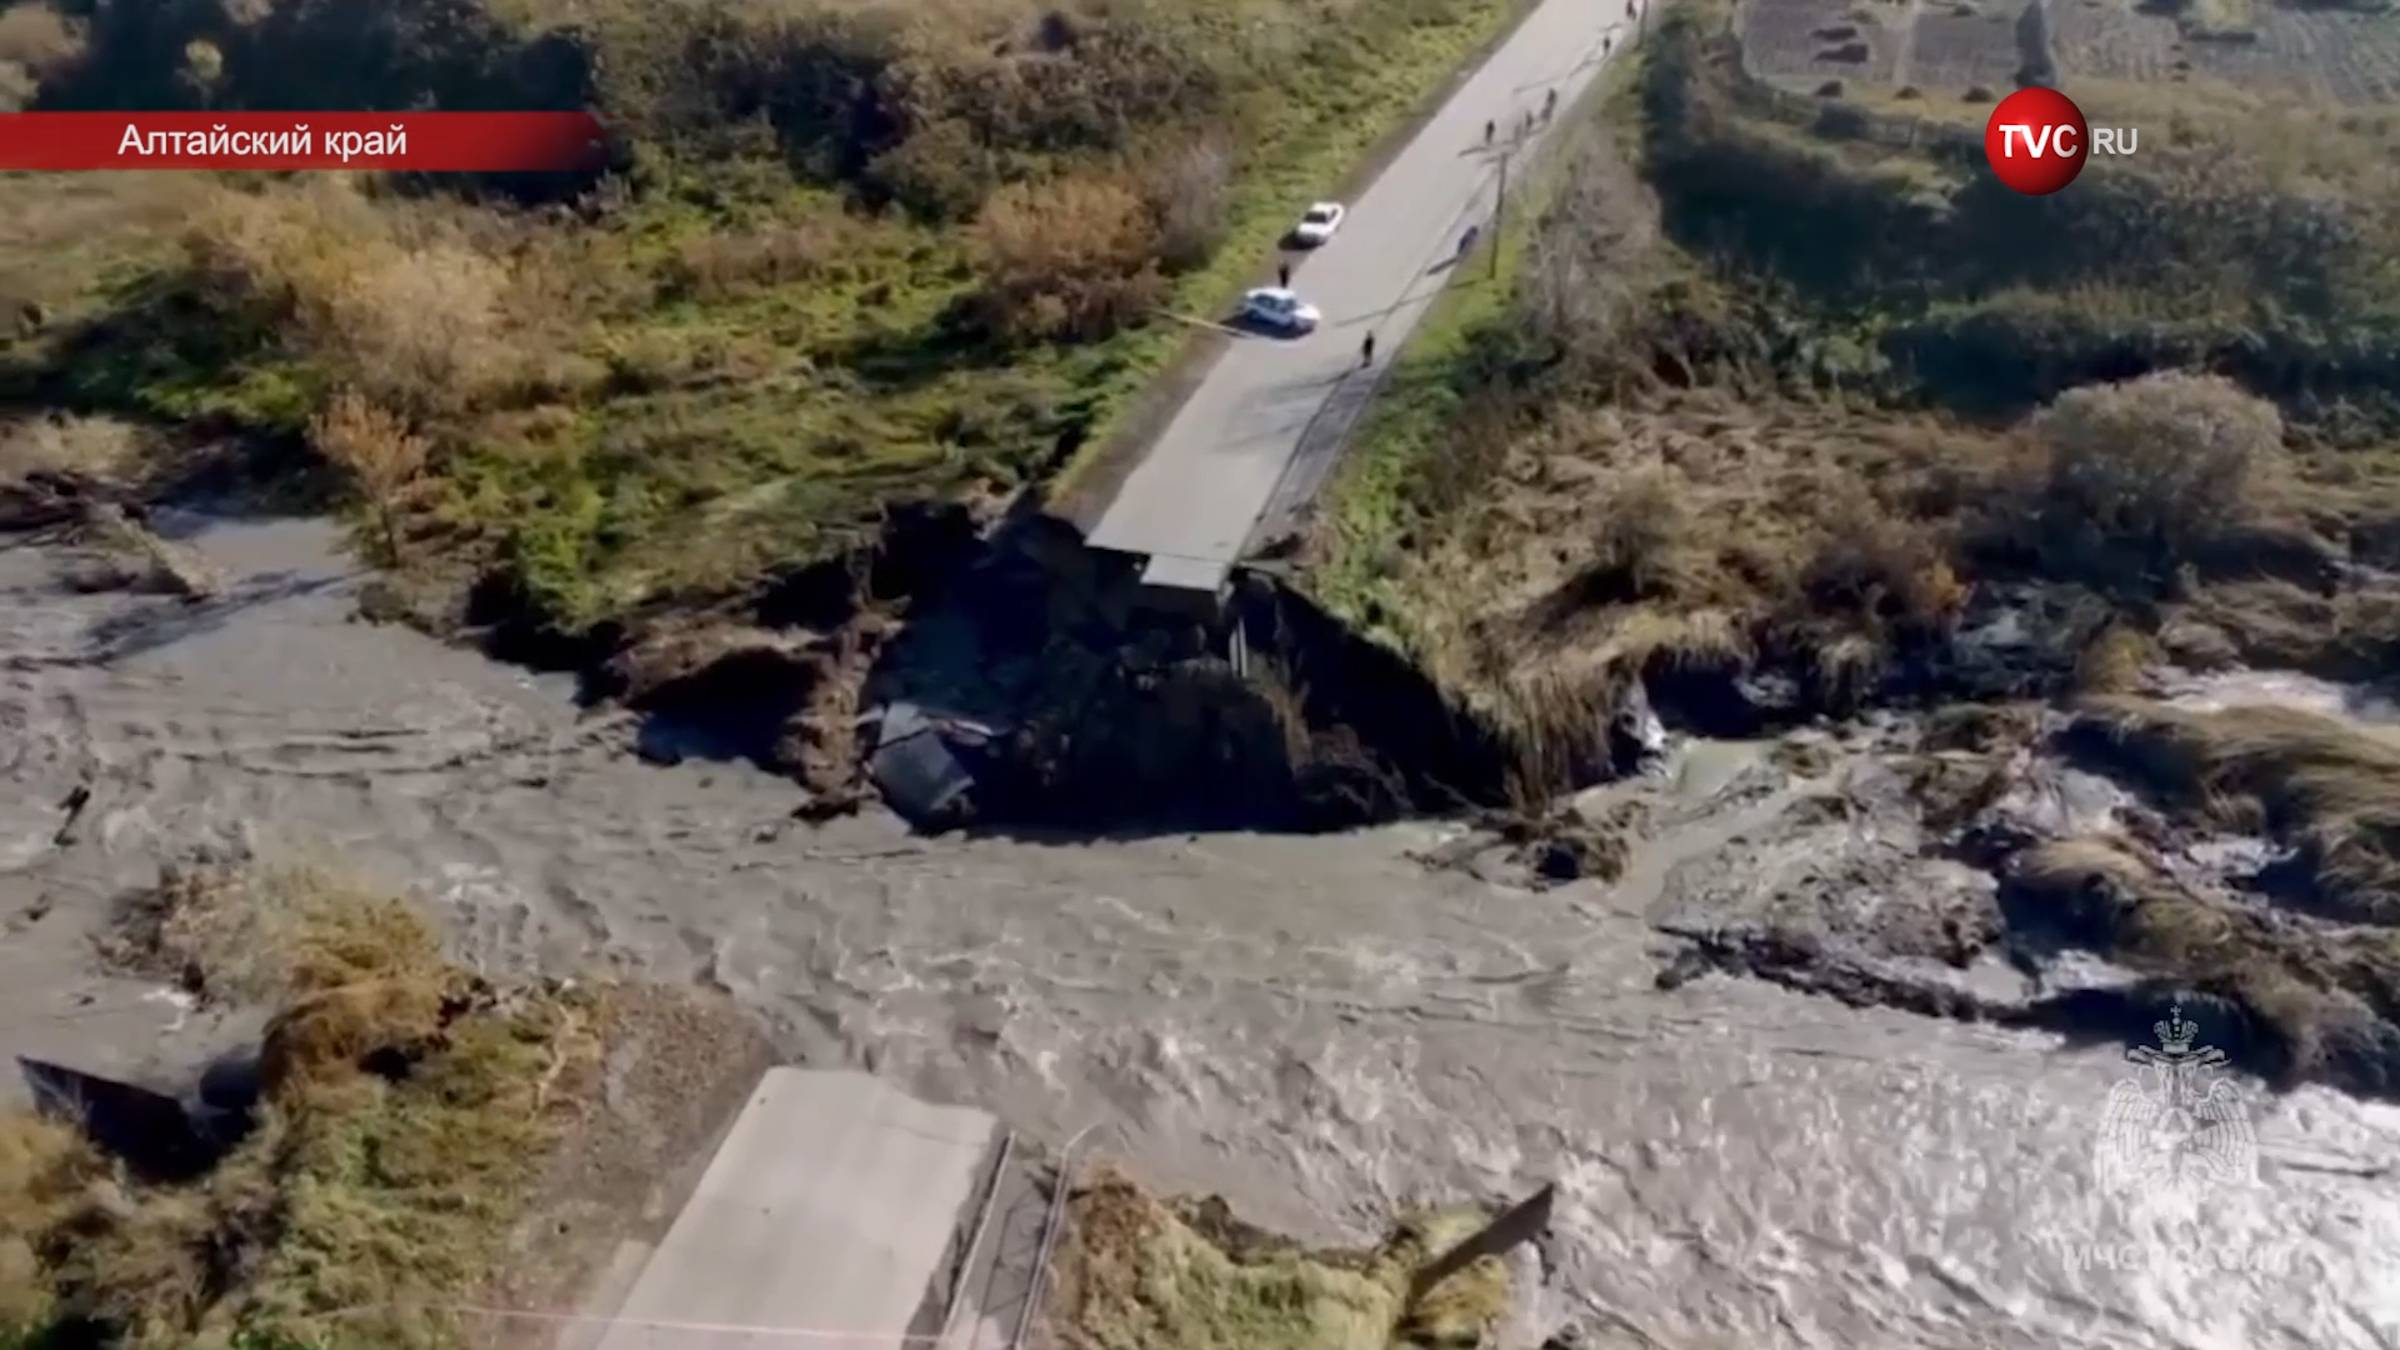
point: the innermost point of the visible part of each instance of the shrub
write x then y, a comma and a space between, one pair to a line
36, 38
416, 324
941, 171
715, 265
379, 453
1186, 191
419, 328
2148, 469
1072, 258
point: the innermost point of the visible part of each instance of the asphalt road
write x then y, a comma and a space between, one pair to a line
1265, 421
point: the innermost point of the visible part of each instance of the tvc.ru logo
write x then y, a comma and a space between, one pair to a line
2037, 141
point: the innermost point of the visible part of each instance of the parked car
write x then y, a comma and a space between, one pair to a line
1278, 308
1318, 223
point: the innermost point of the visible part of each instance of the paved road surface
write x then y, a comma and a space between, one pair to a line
827, 1210
1266, 420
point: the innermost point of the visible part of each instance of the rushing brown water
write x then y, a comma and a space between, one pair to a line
1318, 1027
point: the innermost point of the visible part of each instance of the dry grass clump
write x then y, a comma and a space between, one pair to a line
1136, 1273
408, 1111
1643, 540
45, 1169
2353, 634
2316, 991
270, 934
2113, 661
91, 447
2329, 787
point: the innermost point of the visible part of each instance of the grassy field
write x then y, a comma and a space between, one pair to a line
791, 308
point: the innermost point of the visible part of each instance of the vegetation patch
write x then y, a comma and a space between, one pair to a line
2316, 1001
410, 1114
1135, 1271
2328, 788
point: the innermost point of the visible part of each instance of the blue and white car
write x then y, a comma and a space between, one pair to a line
1275, 307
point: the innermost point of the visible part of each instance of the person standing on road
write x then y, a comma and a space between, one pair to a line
1604, 41
1366, 352
1549, 104
1283, 275
1489, 128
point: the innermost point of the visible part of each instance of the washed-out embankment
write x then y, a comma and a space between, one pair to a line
1030, 686
1322, 1028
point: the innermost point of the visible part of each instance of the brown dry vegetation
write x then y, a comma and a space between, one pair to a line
1136, 1273
379, 452
2328, 788
36, 41
413, 1117
102, 446
2324, 996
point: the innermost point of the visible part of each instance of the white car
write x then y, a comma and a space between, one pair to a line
1318, 223
1278, 308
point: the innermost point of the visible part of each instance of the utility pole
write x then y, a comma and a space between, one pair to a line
1500, 213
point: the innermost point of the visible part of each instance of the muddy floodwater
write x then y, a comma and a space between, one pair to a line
1317, 1027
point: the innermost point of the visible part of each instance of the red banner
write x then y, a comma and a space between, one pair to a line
418, 142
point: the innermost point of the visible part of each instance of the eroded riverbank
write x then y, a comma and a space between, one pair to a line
1318, 1027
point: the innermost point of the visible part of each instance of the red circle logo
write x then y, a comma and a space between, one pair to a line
2036, 140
